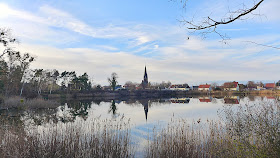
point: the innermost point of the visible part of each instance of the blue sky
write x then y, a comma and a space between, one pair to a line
101, 37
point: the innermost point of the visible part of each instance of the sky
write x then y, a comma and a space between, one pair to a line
101, 37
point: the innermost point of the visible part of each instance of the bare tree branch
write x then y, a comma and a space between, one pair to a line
209, 25
213, 23
264, 45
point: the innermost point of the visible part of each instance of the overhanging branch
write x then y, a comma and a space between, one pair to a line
213, 23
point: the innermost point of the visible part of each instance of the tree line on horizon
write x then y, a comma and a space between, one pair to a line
17, 78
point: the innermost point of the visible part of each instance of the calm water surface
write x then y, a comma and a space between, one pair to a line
143, 114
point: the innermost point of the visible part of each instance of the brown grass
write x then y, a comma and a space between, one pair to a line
22, 103
251, 131
101, 139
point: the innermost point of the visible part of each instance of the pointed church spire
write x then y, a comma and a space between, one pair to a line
145, 75
145, 81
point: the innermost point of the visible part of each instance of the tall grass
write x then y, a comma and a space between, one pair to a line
178, 139
22, 103
101, 139
248, 131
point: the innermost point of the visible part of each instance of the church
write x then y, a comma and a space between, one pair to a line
145, 82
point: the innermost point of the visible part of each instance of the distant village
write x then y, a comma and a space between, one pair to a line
227, 86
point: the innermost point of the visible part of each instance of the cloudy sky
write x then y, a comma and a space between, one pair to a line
101, 37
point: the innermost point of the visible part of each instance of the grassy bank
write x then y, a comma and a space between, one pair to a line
101, 139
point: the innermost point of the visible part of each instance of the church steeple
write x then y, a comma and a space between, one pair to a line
145, 75
145, 80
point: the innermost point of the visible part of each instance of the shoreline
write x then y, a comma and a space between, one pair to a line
158, 94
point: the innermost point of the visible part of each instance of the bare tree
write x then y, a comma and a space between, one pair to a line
14, 65
209, 24
113, 80
6, 39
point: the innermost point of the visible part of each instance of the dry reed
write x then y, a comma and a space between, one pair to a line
248, 131
102, 139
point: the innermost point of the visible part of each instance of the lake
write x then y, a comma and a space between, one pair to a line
144, 115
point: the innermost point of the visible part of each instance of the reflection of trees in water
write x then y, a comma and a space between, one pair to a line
153, 102
31, 117
79, 109
251, 98
97, 102
41, 116
113, 109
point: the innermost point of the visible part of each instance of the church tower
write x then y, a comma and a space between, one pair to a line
145, 80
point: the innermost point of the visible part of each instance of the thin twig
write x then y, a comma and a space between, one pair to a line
263, 44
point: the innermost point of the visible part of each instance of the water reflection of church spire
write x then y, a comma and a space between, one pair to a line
145, 103
146, 108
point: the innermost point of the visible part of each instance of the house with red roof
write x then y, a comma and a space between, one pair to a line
204, 87
205, 99
231, 86
270, 86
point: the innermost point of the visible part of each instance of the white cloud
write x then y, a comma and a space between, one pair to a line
270, 10
178, 63
63, 19
177, 59
50, 17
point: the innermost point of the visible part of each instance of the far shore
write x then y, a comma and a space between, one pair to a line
159, 94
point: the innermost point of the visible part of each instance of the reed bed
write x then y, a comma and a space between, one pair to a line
22, 103
105, 138
248, 131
